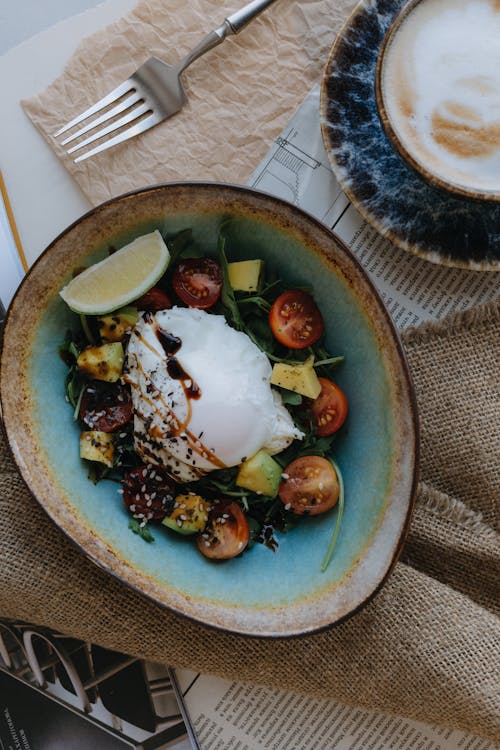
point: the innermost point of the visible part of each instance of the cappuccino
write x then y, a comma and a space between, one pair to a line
440, 88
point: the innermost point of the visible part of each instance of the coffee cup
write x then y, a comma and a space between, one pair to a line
438, 93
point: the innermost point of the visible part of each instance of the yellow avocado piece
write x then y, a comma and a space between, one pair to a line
261, 474
189, 516
116, 325
97, 446
245, 275
102, 362
300, 378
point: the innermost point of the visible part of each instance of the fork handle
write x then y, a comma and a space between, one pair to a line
240, 18
232, 25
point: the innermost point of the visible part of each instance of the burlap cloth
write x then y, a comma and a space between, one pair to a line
426, 647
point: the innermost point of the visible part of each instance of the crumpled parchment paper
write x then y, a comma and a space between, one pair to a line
240, 94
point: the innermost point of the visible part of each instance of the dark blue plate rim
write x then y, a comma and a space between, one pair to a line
416, 216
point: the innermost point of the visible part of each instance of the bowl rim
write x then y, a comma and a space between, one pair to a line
409, 500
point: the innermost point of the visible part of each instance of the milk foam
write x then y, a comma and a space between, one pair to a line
441, 89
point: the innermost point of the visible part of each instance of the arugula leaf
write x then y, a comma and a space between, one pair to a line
223, 483
69, 350
74, 384
257, 329
76, 413
340, 512
97, 471
255, 529
142, 531
87, 329
324, 361
178, 244
227, 294
126, 457
274, 285
290, 398
322, 446
258, 301
329, 362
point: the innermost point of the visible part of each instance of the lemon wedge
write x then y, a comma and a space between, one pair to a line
120, 278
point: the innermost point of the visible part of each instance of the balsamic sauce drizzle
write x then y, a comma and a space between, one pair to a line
171, 345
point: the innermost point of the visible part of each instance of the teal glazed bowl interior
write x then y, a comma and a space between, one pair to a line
260, 593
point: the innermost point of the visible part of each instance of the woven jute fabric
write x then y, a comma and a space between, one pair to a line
426, 647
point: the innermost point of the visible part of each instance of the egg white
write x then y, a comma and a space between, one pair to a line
237, 412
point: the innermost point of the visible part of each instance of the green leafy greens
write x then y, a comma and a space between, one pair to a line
247, 312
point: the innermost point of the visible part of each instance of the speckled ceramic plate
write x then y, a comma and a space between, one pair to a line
261, 592
417, 217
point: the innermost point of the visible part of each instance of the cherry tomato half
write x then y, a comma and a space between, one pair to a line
105, 406
295, 319
154, 300
149, 493
198, 282
330, 408
226, 533
310, 486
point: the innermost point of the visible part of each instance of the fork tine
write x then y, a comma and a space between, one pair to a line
110, 98
122, 107
131, 132
125, 120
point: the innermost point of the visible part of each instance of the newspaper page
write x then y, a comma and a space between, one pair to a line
59, 692
229, 715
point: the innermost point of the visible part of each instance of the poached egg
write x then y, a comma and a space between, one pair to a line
201, 394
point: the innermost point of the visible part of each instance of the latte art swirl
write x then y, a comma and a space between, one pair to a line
462, 131
441, 90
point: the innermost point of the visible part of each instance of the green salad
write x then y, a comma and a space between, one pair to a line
210, 399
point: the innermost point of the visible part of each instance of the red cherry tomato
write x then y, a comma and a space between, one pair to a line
310, 486
330, 408
295, 320
149, 493
198, 282
154, 300
226, 533
105, 406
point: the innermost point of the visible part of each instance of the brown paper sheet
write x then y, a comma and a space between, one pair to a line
240, 95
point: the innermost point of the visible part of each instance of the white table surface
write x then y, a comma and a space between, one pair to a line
44, 198
22, 19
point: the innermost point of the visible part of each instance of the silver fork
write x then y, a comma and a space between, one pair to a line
151, 94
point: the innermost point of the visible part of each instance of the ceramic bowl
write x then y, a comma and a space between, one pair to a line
260, 593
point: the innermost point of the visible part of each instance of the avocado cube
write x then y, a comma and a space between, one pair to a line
245, 275
116, 325
97, 446
300, 378
261, 474
103, 362
189, 516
